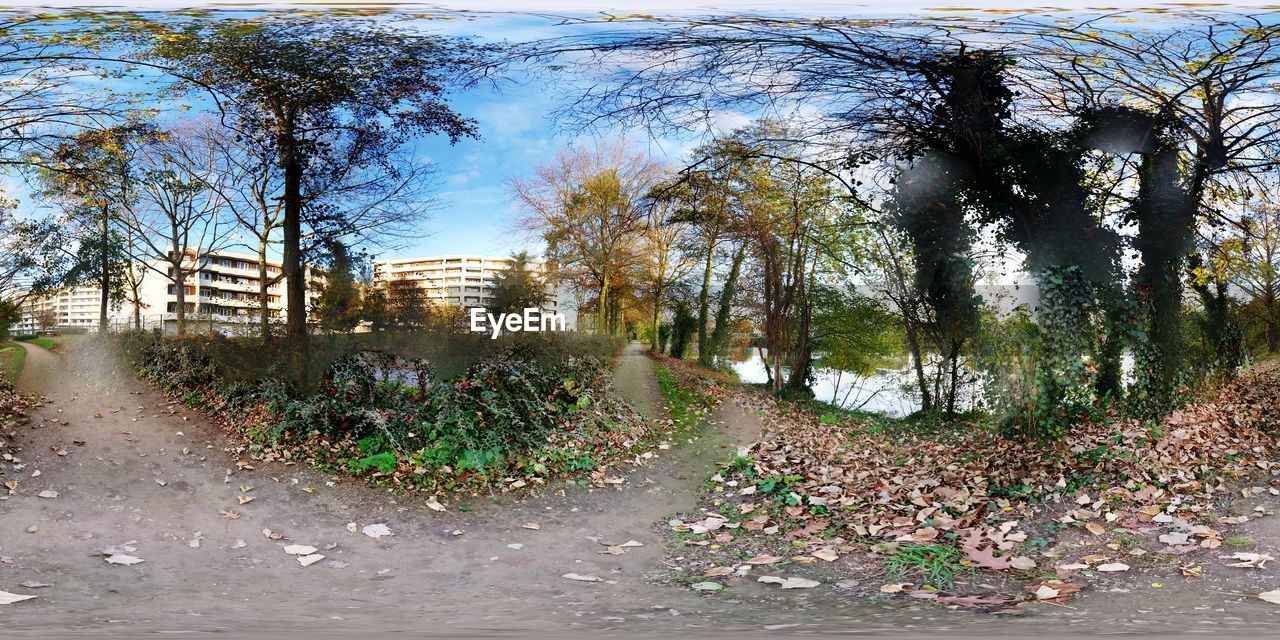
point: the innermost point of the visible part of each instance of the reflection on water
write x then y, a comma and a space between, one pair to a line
888, 392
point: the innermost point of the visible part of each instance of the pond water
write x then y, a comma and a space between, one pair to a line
888, 391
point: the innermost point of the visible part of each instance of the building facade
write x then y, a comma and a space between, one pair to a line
463, 280
70, 307
221, 291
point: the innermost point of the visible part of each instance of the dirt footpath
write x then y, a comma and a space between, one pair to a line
149, 477
133, 469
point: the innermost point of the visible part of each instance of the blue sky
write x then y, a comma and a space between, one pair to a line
516, 133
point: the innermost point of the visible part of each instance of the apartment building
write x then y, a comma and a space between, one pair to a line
461, 280
76, 307
221, 289
221, 286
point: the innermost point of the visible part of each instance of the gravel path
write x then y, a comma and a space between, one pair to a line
132, 468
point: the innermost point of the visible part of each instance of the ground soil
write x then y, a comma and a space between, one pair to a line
140, 469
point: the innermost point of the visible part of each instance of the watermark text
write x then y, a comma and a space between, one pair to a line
532, 319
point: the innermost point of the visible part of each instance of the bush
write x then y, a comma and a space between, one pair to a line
534, 400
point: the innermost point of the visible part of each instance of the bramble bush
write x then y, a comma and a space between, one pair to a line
541, 406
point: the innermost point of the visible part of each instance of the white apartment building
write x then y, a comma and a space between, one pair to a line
458, 280
69, 307
221, 290
461, 280
221, 286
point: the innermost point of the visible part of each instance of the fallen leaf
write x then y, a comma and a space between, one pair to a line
120, 558
434, 505
10, 598
707, 586
309, 560
376, 530
764, 558
718, 571
299, 550
582, 577
48, 493
790, 583
827, 554
1023, 563
986, 558
1270, 596
1248, 559
1114, 566
532, 526
229, 514
32, 584
245, 499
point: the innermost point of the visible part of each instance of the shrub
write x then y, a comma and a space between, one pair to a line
534, 402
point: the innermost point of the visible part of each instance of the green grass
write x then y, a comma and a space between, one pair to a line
935, 565
687, 406
44, 343
12, 358
1238, 541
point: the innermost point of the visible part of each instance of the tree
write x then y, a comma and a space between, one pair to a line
588, 206
407, 304
853, 333
177, 219
33, 259
323, 95
46, 317
518, 287
250, 189
1248, 258
91, 176
664, 260
337, 307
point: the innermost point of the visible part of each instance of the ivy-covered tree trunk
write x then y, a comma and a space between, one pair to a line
1165, 212
725, 309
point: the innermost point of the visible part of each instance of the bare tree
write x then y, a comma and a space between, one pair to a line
588, 207
177, 220
665, 262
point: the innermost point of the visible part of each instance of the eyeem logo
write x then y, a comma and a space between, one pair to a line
532, 319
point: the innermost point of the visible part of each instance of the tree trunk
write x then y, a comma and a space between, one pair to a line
291, 266
917, 358
764, 360
1269, 319
603, 311
657, 312
704, 304
180, 290
264, 296
723, 312
105, 276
